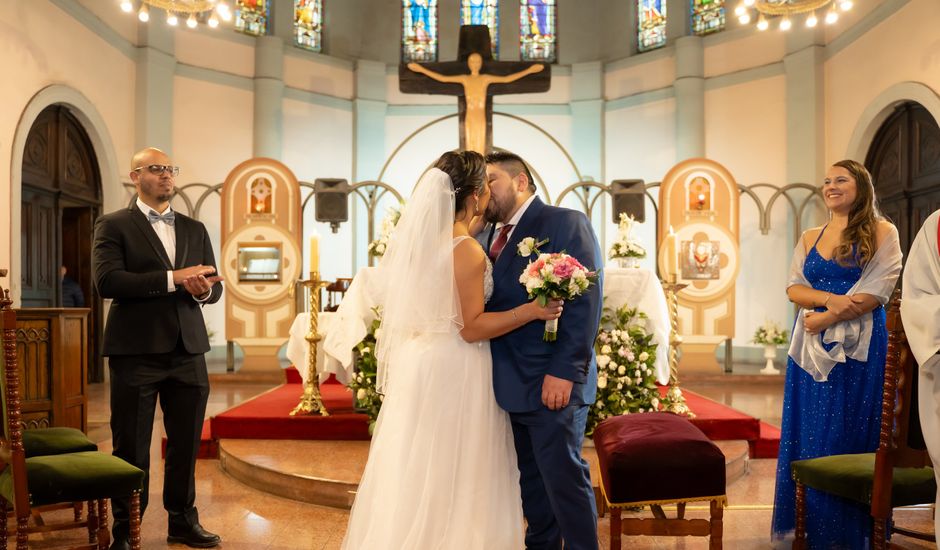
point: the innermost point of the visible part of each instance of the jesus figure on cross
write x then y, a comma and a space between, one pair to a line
474, 90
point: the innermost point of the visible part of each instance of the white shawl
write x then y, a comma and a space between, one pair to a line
920, 306
852, 338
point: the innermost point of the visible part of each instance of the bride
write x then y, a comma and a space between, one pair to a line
442, 468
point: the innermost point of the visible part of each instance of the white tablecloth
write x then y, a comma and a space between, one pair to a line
355, 314
298, 349
640, 288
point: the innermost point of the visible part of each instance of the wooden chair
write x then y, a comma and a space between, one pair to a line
339, 286
894, 475
32, 482
656, 459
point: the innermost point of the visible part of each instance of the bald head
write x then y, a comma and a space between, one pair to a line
146, 156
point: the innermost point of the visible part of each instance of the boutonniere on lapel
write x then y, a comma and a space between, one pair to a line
529, 246
556, 276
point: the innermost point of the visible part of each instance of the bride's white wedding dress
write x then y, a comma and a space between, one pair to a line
442, 470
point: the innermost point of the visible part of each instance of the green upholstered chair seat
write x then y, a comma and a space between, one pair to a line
55, 441
850, 476
72, 477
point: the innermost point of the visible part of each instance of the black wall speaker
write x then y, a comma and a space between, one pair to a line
629, 196
331, 201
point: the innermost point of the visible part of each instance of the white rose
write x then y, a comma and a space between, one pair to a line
655, 403
602, 361
644, 356
630, 356
621, 370
533, 284
605, 350
361, 394
619, 385
628, 381
602, 382
622, 353
600, 404
637, 373
639, 381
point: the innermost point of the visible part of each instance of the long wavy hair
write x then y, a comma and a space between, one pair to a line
857, 244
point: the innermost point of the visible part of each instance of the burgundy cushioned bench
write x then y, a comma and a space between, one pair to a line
653, 459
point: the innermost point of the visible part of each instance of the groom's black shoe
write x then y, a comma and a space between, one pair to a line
120, 544
193, 536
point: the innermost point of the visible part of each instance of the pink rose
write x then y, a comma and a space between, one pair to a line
564, 270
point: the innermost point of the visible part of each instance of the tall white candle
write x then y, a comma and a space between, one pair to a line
314, 253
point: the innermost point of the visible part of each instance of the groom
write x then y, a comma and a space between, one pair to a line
547, 387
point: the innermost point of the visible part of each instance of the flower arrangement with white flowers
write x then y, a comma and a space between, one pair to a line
626, 379
626, 245
378, 247
367, 399
770, 334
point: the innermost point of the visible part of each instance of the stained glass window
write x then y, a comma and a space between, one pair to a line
251, 16
708, 16
651, 24
418, 30
308, 16
482, 12
537, 21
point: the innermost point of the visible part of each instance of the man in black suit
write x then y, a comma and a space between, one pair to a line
157, 266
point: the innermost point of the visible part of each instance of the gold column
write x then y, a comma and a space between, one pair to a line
674, 401
310, 402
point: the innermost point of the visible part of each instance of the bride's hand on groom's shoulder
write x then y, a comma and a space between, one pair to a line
552, 310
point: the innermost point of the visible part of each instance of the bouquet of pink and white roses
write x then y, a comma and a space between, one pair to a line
556, 276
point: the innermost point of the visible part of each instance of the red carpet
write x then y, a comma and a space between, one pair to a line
267, 417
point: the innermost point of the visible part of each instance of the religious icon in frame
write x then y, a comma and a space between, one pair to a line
700, 260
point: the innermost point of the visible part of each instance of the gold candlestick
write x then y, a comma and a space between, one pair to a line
311, 402
674, 401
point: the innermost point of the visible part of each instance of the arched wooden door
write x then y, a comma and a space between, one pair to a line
904, 159
61, 200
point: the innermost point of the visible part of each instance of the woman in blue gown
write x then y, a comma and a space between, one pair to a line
843, 274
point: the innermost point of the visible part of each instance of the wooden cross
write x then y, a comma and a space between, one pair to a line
475, 89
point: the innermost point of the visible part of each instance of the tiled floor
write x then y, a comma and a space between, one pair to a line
250, 519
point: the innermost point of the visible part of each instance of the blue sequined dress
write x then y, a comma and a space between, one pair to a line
839, 416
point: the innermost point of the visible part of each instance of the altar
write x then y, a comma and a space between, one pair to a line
637, 287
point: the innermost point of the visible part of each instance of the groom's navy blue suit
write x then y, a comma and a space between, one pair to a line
557, 497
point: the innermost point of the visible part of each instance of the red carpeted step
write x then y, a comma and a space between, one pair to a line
267, 416
208, 447
719, 422
768, 445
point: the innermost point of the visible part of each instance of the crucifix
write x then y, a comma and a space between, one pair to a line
475, 89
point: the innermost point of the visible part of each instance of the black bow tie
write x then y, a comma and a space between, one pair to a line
169, 218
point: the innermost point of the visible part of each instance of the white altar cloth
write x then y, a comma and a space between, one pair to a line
640, 288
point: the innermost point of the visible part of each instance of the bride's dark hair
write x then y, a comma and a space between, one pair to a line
467, 171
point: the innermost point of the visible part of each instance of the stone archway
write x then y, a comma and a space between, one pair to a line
85, 116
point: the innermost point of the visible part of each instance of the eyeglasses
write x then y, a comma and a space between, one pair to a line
159, 169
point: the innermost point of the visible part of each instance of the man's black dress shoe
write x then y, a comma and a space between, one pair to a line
120, 544
194, 536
